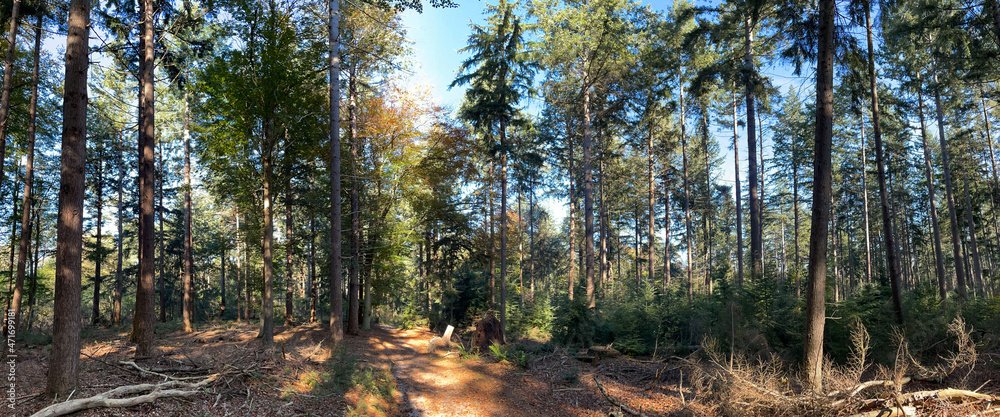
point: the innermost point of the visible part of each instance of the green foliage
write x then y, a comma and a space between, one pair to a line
575, 324
499, 352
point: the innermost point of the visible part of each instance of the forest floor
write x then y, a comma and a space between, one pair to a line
381, 372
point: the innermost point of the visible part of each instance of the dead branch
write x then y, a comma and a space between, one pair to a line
617, 403
111, 398
161, 375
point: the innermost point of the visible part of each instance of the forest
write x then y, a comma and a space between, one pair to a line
639, 208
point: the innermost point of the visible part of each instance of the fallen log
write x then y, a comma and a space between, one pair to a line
110, 399
617, 403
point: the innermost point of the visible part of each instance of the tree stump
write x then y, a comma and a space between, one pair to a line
488, 332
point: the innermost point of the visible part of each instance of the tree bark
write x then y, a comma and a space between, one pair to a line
739, 200
588, 201
188, 238
956, 240
492, 243
119, 290
889, 239
503, 228
267, 299
687, 201
311, 283
938, 257
142, 321
8, 81
289, 246
822, 191
977, 265
756, 232
160, 261
95, 317
864, 194
571, 275
651, 226
666, 238
64, 359
354, 285
24, 246
336, 294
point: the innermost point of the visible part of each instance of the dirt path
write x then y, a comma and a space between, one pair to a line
439, 385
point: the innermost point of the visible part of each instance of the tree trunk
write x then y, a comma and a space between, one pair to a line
95, 317
64, 359
222, 284
739, 200
188, 238
602, 216
666, 238
707, 213
8, 80
354, 285
336, 302
492, 244
520, 243
756, 233
822, 190
952, 216
588, 201
531, 241
687, 201
267, 299
938, 257
142, 321
864, 194
571, 275
119, 290
24, 246
289, 246
993, 164
651, 227
977, 265
890, 242
33, 287
311, 283
161, 260
503, 229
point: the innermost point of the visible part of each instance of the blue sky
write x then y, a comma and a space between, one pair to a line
438, 34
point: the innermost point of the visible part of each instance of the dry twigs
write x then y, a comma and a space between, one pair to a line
617, 403
122, 396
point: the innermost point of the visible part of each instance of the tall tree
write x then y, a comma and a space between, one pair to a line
336, 280
65, 357
8, 81
822, 192
498, 74
142, 322
887, 232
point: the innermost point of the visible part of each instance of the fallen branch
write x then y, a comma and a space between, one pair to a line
617, 403
109, 399
161, 375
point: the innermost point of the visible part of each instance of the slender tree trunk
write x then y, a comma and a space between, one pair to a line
651, 226
588, 201
687, 202
222, 284
24, 246
952, 216
64, 359
864, 194
336, 302
602, 214
354, 285
739, 200
822, 190
311, 284
520, 243
756, 232
95, 317
33, 287
531, 240
8, 80
707, 212
977, 265
890, 242
571, 275
119, 290
666, 238
993, 164
795, 214
161, 261
938, 257
289, 246
143, 319
503, 229
267, 301
189, 294
492, 244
